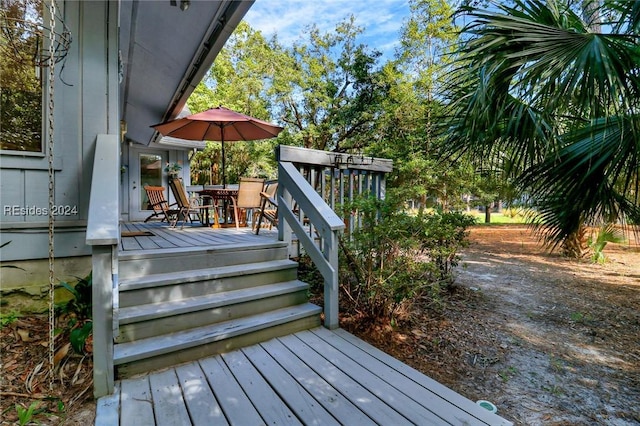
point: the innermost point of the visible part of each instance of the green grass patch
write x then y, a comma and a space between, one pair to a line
498, 218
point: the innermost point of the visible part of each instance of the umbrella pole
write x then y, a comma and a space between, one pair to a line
224, 179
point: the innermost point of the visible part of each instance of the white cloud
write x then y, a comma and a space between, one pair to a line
381, 19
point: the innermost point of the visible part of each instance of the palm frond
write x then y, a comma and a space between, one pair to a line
560, 64
539, 89
598, 172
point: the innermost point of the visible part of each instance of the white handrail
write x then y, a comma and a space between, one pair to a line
104, 211
103, 234
293, 188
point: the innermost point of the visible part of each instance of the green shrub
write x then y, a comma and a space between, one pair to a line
606, 234
80, 305
77, 312
25, 415
395, 257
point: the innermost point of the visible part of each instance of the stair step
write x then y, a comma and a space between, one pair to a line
165, 309
139, 322
194, 251
168, 278
160, 351
180, 285
147, 262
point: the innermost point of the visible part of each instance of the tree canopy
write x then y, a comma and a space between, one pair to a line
20, 78
540, 94
554, 103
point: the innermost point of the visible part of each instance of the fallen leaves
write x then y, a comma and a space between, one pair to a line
24, 335
24, 372
61, 353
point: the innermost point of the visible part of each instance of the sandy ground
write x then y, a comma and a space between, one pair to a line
571, 330
550, 341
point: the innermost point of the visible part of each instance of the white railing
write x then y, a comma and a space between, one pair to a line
339, 178
103, 234
312, 184
293, 189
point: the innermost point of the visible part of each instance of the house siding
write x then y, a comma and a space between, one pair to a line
85, 105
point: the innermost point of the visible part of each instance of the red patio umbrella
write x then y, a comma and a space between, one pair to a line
219, 124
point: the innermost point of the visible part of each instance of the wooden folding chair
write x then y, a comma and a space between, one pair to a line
186, 206
158, 202
248, 198
268, 207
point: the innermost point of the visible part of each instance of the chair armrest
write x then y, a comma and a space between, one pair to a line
160, 203
267, 197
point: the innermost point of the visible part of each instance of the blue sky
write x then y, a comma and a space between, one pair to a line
381, 19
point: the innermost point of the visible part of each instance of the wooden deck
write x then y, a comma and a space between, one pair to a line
161, 236
312, 377
316, 377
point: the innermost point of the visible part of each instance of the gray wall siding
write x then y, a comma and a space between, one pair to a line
85, 106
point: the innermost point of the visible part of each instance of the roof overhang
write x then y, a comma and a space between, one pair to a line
182, 143
165, 53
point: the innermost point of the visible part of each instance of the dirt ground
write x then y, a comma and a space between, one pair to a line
25, 395
548, 340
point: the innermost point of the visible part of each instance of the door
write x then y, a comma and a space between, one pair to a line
147, 169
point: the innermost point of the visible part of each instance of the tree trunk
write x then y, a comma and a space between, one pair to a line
575, 245
487, 214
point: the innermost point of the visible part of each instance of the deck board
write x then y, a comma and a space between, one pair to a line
306, 408
316, 377
168, 401
108, 408
271, 408
234, 402
443, 392
419, 394
357, 393
193, 235
137, 405
202, 404
332, 400
384, 390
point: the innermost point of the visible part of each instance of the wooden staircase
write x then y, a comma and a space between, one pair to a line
180, 305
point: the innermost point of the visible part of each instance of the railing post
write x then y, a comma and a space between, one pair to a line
102, 290
284, 229
331, 286
293, 186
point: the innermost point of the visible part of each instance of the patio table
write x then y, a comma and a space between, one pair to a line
225, 195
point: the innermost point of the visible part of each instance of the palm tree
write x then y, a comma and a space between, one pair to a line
540, 94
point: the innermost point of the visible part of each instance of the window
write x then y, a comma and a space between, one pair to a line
21, 82
150, 174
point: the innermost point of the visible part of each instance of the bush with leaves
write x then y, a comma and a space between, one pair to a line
395, 257
77, 312
441, 235
599, 238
